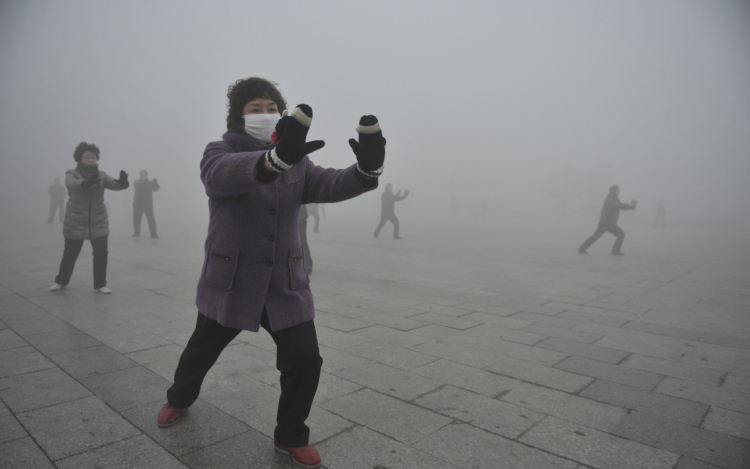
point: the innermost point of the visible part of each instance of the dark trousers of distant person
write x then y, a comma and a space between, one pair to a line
297, 358
55, 206
138, 216
305, 246
70, 255
384, 218
600, 230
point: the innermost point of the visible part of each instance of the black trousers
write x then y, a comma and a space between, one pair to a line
297, 358
600, 230
384, 218
138, 216
70, 255
54, 206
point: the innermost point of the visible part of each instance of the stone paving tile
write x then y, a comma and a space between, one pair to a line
331, 387
30, 391
689, 463
705, 358
136, 452
251, 402
662, 330
540, 374
555, 321
726, 340
202, 425
486, 318
128, 388
653, 403
9, 340
492, 332
23, 454
643, 347
594, 448
10, 429
738, 382
466, 377
91, 361
396, 419
719, 397
249, 450
469, 447
334, 360
398, 383
580, 349
562, 333
387, 354
616, 373
687, 440
594, 318
454, 322
481, 411
728, 422
339, 323
675, 370
12, 299
391, 336
35, 323
337, 339
63, 340
565, 406
373, 451
21, 360
132, 340
76, 426
161, 360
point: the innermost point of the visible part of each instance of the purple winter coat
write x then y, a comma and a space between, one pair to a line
253, 256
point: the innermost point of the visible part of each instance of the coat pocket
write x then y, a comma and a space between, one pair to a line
221, 265
297, 269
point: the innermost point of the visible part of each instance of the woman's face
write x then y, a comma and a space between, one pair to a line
89, 158
260, 106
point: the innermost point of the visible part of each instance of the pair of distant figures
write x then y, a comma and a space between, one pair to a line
143, 202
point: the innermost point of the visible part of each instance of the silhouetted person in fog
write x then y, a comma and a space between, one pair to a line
303, 214
86, 215
312, 210
389, 200
57, 195
661, 213
143, 202
608, 221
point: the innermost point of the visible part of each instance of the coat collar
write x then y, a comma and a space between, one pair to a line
240, 141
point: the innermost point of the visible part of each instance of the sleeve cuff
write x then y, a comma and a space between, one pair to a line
262, 174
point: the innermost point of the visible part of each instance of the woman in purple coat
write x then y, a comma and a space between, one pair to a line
253, 274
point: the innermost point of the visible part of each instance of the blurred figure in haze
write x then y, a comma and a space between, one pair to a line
608, 221
303, 214
257, 178
57, 195
143, 202
660, 213
387, 212
86, 215
312, 209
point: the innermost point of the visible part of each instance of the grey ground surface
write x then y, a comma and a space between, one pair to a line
478, 344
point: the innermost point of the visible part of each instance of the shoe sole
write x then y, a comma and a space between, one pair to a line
282, 451
165, 425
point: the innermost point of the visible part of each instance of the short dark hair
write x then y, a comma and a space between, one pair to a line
84, 147
612, 189
247, 89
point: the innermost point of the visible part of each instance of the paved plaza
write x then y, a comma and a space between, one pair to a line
480, 344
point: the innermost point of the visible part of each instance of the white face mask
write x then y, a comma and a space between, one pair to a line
261, 126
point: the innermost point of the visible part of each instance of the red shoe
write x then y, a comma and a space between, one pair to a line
169, 415
305, 456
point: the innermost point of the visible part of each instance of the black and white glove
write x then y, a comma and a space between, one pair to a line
370, 149
291, 132
91, 181
123, 181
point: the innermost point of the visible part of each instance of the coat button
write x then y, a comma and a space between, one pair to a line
271, 237
269, 262
272, 211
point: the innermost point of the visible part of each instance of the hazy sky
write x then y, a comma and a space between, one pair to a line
521, 102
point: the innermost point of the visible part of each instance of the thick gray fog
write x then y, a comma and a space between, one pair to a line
536, 106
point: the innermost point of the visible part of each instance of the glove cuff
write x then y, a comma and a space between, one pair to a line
373, 173
275, 162
369, 129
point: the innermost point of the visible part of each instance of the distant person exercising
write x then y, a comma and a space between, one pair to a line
303, 214
608, 221
57, 195
143, 202
660, 213
389, 200
312, 210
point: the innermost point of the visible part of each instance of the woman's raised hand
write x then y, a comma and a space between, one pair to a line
370, 149
291, 132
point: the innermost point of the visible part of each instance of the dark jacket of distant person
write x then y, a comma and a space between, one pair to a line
144, 189
389, 200
85, 212
253, 256
611, 210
